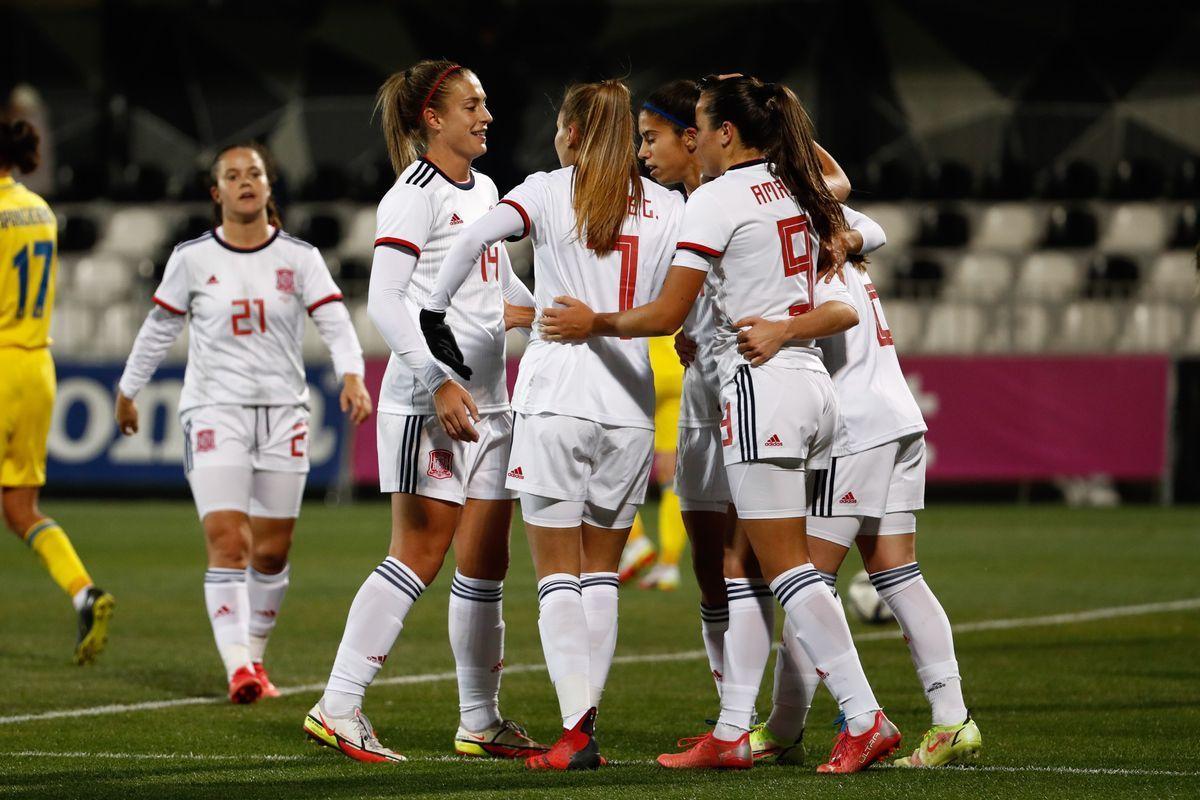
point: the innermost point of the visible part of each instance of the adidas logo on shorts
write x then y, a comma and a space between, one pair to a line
212, 279
848, 499
516, 473
455, 219
774, 441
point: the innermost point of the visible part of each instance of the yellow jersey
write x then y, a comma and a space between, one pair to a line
28, 263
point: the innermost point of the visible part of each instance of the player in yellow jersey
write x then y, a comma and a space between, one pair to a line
28, 262
639, 551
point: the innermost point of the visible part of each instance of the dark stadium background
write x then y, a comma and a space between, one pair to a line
1036, 166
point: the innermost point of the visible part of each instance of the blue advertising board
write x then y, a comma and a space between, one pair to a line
86, 450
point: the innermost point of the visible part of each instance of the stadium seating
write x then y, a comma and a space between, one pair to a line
1111, 276
1172, 277
1012, 228
1071, 227
905, 319
1048, 276
1152, 328
135, 232
102, 279
954, 328
1087, 325
1135, 228
987, 277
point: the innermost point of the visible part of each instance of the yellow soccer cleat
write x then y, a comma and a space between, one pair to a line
946, 744
353, 736
765, 747
93, 625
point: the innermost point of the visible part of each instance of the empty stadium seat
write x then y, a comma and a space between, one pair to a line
896, 220
1173, 276
359, 241
1020, 327
1006, 180
1075, 180
321, 230
368, 335
354, 271
77, 233
954, 328
980, 276
1137, 179
1152, 328
943, 228
71, 328
116, 327
1049, 276
1111, 276
919, 277
905, 319
1185, 180
1136, 228
1087, 326
1013, 228
1071, 227
101, 279
950, 180
1187, 229
135, 232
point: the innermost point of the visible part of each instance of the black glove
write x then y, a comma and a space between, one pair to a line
442, 343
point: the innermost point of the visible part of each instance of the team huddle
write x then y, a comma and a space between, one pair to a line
798, 436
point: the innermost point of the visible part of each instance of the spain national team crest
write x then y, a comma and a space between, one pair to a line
285, 280
440, 464
206, 440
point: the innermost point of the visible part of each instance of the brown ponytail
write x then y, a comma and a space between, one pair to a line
769, 117
607, 180
273, 216
401, 104
19, 146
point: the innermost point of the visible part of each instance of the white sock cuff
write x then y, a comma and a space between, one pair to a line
890, 582
267, 578
560, 584
714, 616
830, 579
477, 590
740, 590
796, 584
600, 582
224, 575
400, 577
941, 671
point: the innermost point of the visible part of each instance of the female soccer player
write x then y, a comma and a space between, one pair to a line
445, 488
28, 263
584, 437
246, 286
868, 496
757, 226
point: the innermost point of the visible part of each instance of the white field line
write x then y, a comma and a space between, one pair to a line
686, 655
619, 763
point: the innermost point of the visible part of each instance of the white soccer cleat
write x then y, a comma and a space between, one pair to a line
354, 736
504, 740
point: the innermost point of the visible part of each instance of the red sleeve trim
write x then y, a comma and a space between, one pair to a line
389, 241
699, 248
524, 219
168, 307
333, 298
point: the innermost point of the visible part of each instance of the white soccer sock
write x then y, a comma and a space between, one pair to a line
747, 648
266, 596
600, 607
825, 636
477, 640
562, 623
228, 605
796, 681
714, 621
375, 620
930, 640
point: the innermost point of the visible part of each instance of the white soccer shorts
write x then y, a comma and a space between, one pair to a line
252, 459
881, 486
417, 456
568, 458
700, 479
774, 413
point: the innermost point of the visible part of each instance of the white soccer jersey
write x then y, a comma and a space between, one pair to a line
700, 398
247, 309
423, 213
605, 379
745, 227
875, 404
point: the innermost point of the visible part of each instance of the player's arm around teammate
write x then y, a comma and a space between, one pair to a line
28, 263
447, 488
245, 287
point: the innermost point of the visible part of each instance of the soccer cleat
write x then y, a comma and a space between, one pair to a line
353, 736
855, 753
765, 746
505, 740
244, 686
575, 749
709, 752
664, 577
945, 744
639, 553
268, 689
93, 624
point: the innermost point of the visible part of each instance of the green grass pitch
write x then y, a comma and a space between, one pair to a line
1073, 707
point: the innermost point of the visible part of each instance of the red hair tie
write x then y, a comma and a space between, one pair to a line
436, 84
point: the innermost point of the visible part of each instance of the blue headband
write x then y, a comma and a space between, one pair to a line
668, 117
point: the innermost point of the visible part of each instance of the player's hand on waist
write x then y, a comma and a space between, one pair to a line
685, 348
456, 410
355, 399
760, 339
571, 323
518, 316
126, 415
442, 343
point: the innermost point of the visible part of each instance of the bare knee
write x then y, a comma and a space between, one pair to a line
881, 553
227, 535
20, 509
